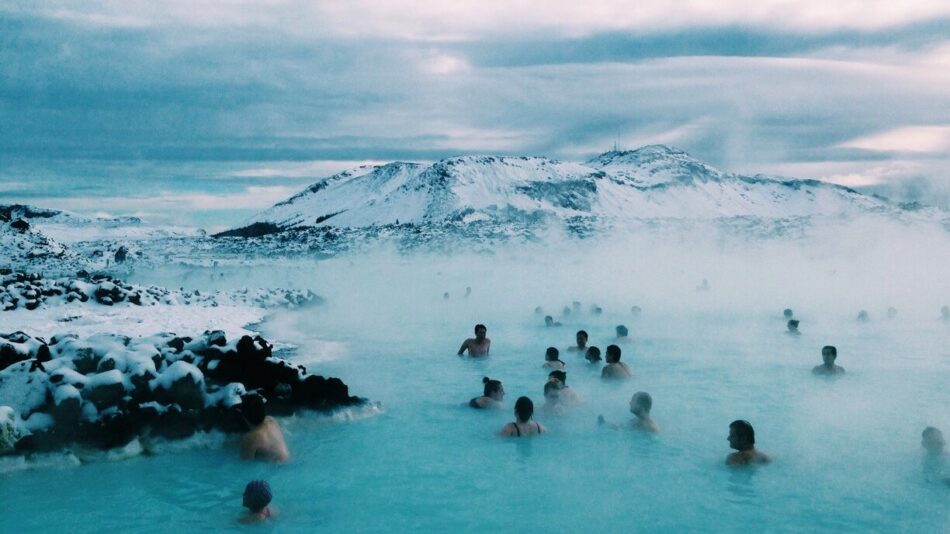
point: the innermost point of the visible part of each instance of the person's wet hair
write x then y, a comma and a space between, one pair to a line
744, 431
793, 324
592, 354
583, 334
622, 331
252, 408
613, 354
551, 390
524, 409
483, 327
831, 348
643, 400
491, 386
560, 375
787, 312
551, 354
548, 320
257, 495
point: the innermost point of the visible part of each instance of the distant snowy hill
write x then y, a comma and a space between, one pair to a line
653, 182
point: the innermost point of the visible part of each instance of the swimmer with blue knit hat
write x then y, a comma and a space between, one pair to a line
257, 497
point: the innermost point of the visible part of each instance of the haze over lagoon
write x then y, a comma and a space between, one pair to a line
205, 116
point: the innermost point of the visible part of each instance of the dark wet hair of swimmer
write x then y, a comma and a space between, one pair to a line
492, 387
793, 325
257, 495
581, 334
742, 435
252, 408
829, 352
787, 312
552, 354
622, 331
481, 327
592, 354
613, 354
932, 440
524, 409
551, 391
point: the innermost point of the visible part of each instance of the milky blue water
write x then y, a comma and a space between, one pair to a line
847, 452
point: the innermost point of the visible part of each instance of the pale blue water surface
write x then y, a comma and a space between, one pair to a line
847, 452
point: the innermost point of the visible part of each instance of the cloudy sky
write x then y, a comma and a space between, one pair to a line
259, 97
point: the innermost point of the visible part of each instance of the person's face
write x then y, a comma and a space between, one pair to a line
828, 357
734, 441
480, 333
581, 340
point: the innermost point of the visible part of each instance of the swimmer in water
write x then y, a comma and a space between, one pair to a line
478, 345
828, 355
622, 334
577, 306
704, 286
445, 295
792, 326
640, 406
566, 312
596, 310
552, 400
892, 313
549, 321
559, 379
581, 338
492, 395
742, 439
615, 369
593, 355
523, 425
945, 313
935, 461
257, 497
468, 292
552, 359
636, 311
863, 316
264, 440
538, 310
787, 313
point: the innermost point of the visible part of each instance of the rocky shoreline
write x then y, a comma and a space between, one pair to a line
106, 390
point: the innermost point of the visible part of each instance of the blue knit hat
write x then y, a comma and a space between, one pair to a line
257, 495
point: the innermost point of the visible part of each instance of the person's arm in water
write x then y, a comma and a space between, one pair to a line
464, 347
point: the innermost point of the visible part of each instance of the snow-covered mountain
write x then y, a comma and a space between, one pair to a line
653, 182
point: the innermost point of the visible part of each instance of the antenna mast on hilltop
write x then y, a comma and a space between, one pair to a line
615, 145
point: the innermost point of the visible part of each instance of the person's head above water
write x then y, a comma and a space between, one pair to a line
592, 354
932, 440
252, 408
622, 331
641, 404
493, 388
741, 435
548, 320
787, 312
829, 354
524, 409
635, 310
863, 315
793, 325
613, 354
551, 354
257, 495
480, 331
559, 377
552, 393
581, 338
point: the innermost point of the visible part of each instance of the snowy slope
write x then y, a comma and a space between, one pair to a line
648, 183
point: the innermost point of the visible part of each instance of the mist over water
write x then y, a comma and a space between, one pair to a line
847, 452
